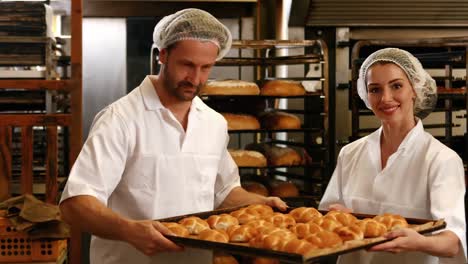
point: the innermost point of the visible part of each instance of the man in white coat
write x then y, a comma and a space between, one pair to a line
158, 152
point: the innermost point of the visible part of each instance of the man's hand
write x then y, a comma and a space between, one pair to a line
405, 240
276, 202
147, 236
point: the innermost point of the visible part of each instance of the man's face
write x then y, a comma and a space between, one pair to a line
187, 67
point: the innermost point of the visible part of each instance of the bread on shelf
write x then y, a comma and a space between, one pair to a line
276, 120
282, 88
230, 87
255, 187
248, 158
241, 121
284, 189
277, 156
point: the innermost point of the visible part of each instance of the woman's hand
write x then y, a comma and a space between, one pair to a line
339, 207
405, 239
276, 202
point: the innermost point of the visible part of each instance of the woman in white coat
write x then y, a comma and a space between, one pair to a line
400, 168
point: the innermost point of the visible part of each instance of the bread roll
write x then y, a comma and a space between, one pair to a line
277, 231
214, 235
241, 233
243, 216
279, 120
372, 228
277, 156
241, 121
392, 221
305, 214
260, 209
194, 224
327, 223
282, 88
303, 230
351, 232
284, 189
222, 221
255, 187
280, 220
257, 224
298, 246
345, 219
177, 229
325, 239
248, 158
230, 87
265, 261
271, 241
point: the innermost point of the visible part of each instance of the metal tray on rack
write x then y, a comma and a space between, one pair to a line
421, 225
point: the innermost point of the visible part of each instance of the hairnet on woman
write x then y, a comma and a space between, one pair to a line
423, 84
400, 168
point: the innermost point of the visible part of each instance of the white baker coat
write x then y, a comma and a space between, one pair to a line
422, 179
139, 162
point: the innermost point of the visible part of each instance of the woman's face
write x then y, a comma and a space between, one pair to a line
390, 93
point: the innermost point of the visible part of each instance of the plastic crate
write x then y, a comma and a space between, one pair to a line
16, 246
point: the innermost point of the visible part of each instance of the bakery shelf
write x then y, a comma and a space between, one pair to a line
312, 165
299, 130
310, 94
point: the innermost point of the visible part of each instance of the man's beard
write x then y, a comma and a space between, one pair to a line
177, 90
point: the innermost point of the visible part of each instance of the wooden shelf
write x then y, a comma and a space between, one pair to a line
36, 84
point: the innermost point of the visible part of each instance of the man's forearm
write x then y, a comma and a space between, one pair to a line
238, 196
444, 244
88, 214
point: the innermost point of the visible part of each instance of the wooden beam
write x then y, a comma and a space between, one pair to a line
35, 120
60, 85
52, 165
5, 162
26, 159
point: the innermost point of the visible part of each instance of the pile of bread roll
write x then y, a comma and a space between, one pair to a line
303, 230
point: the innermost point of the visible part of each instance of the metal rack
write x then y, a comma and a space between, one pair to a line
312, 137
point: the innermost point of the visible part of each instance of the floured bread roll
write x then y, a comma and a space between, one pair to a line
372, 228
282, 88
222, 221
277, 156
392, 221
194, 224
241, 233
177, 229
255, 187
305, 214
230, 87
214, 235
241, 121
279, 120
351, 232
248, 158
325, 239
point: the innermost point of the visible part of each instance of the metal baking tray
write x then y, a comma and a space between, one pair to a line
421, 225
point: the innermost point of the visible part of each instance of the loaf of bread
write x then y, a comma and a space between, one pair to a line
325, 239
392, 221
284, 189
222, 221
248, 158
214, 235
177, 229
279, 120
282, 88
241, 121
372, 228
230, 87
277, 156
194, 224
305, 214
255, 187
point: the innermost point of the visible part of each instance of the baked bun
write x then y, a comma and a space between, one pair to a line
305, 214
392, 221
282, 88
224, 259
243, 216
327, 223
270, 241
325, 239
280, 220
345, 219
194, 224
230, 87
277, 156
260, 209
222, 221
177, 229
372, 228
352, 232
241, 233
276, 231
214, 235
303, 230
241, 121
279, 120
284, 189
255, 187
298, 246
265, 261
248, 158
257, 224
